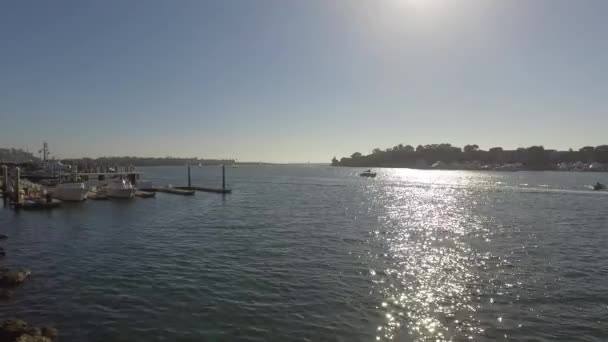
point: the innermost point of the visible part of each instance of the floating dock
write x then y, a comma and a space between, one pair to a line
222, 190
198, 188
176, 191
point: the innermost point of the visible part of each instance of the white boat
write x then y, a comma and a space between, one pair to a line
101, 179
144, 185
120, 188
70, 191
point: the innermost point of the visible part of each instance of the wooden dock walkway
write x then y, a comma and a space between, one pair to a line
199, 188
222, 190
176, 191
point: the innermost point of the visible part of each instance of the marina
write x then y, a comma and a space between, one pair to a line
48, 186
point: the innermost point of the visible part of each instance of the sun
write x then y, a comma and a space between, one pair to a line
418, 4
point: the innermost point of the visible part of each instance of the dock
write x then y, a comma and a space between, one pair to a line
21, 193
198, 188
222, 190
176, 191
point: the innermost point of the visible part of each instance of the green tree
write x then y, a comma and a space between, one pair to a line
356, 155
602, 148
471, 148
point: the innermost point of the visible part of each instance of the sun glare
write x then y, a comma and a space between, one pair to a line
419, 5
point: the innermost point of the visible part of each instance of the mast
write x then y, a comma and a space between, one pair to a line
45, 152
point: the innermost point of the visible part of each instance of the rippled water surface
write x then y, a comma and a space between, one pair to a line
314, 253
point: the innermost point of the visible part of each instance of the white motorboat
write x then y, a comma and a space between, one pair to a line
144, 185
120, 188
70, 191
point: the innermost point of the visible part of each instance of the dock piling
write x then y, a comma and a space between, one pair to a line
4, 181
189, 179
223, 178
17, 186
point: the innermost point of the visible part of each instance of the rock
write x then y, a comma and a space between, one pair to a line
14, 278
3, 237
19, 331
30, 338
49, 332
5, 294
34, 331
12, 328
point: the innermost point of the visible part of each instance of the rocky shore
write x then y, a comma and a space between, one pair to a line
15, 329
20, 331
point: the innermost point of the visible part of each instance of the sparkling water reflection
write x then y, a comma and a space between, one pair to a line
428, 281
443, 276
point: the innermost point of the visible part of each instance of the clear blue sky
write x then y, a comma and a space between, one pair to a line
295, 81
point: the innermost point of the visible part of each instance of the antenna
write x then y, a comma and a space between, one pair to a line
45, 152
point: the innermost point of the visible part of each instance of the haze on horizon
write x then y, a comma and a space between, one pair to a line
297, 81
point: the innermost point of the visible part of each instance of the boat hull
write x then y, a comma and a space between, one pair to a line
70, 194
38, 205
120, 193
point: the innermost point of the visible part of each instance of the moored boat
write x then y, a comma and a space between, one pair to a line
38, 204
145, 194
120, 188
70, 191
144, 185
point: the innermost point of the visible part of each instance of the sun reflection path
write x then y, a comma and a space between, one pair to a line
429, 283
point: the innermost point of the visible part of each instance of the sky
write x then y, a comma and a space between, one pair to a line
299, 81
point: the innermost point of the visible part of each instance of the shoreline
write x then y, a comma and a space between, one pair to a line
466, 169
14, 329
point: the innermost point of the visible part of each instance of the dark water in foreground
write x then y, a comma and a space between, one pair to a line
319, 254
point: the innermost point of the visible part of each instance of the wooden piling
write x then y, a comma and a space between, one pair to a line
223, 178
4, 181
222, 190
17, 186
189, 179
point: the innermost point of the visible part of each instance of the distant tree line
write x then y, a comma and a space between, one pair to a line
15, 155
84, 163
533, 158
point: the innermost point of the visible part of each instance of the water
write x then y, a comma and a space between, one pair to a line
320, 254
